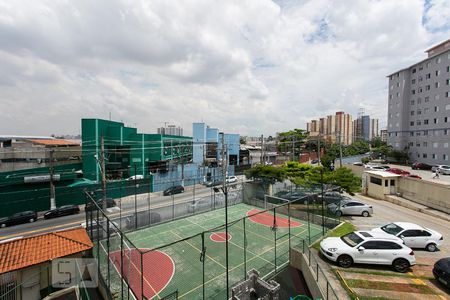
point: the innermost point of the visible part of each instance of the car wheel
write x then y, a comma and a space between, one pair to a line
401, 265
338, 213
365, 214
31, 220
344, 261
431, 247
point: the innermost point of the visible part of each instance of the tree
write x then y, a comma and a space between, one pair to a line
292, 140
377, 142
345, 178
297, 172
242, 141
267, 174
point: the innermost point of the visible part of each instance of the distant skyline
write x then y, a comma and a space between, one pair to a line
248, 67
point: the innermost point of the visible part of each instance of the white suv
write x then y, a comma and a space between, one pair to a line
413, 235
368, 248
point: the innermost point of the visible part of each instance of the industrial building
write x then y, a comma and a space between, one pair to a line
419, 107
207, 145
128, 152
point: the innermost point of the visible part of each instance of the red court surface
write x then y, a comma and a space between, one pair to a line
158, 269
219, 237
267, 219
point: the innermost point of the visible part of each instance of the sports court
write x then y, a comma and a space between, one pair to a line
188, 255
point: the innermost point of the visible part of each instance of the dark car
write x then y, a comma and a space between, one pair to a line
421, 166
19, 218
109, 203
332, 197
177, 189
213, 183
441, 271
62, 211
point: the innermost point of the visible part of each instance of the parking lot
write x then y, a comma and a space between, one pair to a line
425, 174
381, 282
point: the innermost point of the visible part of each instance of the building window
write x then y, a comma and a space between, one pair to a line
436, 108
436, 84
425, 132
412, 102
446, 94
411, 133
445, 131
448, 68
447, 81
420, 68
418, 133
411, 144
445, 157
425, 144
413, 92
414, 70
375, 180
436, 97
428, 64
418, 123
419, 100
411, 123
398, 84
438, 73
426, 110
438, 60
435, 145
425, 122
445, 119
417, 144
419, 112
413, 81
433, 156
447, 107
428, 76
445, 145
398, 94
390, 96
435, 120
427, 99
427, 87
424, 155
412, 113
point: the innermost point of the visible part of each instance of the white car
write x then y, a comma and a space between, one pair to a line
231, 179
444, 170
351, 207
437, 167
368, 248
414, 236
135, 177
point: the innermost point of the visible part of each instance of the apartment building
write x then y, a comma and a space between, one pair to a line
365, 128
333, 128
419, 107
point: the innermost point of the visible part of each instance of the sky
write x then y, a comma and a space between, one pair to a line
250, 67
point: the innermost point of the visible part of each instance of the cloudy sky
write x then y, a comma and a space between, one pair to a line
252, 67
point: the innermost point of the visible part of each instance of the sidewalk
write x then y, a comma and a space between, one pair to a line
411, 205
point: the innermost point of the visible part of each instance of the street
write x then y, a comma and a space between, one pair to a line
124, 206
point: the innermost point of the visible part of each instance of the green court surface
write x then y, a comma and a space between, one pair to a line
187, 256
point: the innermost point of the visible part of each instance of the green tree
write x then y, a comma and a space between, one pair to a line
292, 140
297, 172
345, 178
267, 174
377, 142
242, 141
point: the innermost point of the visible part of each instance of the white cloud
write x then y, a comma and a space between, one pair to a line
244, 66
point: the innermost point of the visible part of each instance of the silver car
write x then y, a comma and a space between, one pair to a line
351, 207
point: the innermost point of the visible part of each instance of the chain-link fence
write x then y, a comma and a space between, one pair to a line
194, 252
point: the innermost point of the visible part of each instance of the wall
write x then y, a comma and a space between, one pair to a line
427, 193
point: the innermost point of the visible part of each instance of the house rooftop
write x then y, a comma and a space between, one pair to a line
28, 251
383, 174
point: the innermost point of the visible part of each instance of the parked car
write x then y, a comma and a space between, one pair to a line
414, 236
135, 177
109, 203
213, 183
368, 248
375, 168
231, 179
398, 171
420, 166
445, 170
351, 208
315, 161
414, 176
332, 197
385, 167
358, 164
177, 189
99, 229
19, 218
436, 167
64, 210
441, 271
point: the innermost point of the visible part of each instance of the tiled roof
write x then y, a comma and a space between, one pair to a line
28, 251
55, 142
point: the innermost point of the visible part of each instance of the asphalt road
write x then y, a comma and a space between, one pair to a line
386, 212
126, 204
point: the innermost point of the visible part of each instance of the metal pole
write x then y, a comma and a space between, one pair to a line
135, 200
103, 171
52, 184
245, 249
142, 273
323, 217
225, 191
340, 151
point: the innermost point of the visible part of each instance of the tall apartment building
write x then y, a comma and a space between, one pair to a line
365, 128
171, 130
419, 107
333, 128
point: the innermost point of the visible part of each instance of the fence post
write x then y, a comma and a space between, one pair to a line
245, 249
142, 271
317, 271
289, 228
275, 237
107, 254
121, 264
202, 257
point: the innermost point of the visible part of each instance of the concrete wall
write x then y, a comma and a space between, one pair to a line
300, 262
427, 193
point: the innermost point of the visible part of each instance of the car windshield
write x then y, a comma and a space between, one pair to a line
392, 228
351, 239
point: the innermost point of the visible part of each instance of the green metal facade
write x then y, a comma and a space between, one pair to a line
126, 150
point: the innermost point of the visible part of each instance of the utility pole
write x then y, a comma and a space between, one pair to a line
262, 147
340, 151
225, 192
102, 167
318, 149
52, 185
